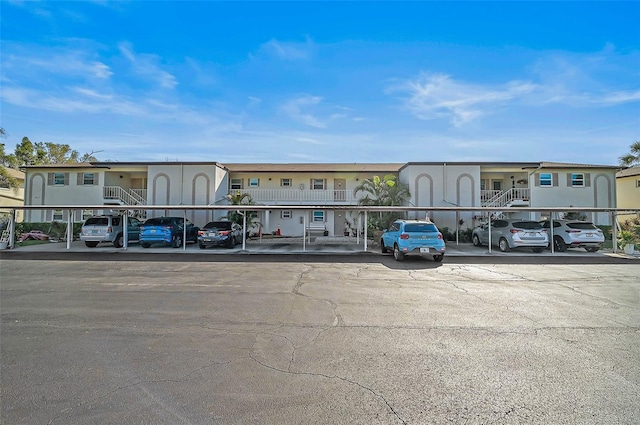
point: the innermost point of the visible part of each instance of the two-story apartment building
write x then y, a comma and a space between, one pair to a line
496, 185
12, 196
510, 184
628, 191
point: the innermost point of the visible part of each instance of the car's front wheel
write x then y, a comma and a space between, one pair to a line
91, 244
438, 258
503, 244
592, 249
476, 240
201, 245
397, 254
177, 241
118, 242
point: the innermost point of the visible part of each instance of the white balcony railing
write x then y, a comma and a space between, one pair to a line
118, 193
497, 198
302, 196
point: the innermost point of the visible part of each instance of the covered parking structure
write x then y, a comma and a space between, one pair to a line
363, 214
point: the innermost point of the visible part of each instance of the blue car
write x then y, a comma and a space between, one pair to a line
167, 230
413, 237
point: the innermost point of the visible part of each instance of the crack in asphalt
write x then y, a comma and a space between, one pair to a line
142, 383
341, 378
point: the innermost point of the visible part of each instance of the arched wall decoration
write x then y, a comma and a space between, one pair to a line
155, 187
473, 188
33, 177
193, 187
608, 187
417, 190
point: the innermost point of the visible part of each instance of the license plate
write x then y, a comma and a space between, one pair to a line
94, 231
153, 230
424, 250
589, 235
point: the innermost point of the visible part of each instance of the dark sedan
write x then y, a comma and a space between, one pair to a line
219, 233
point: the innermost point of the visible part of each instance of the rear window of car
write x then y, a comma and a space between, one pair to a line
97, 221
222, 225
160, 221
527, 225
582, 226
420, 227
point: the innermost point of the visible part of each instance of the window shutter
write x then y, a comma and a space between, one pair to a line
50, 179
569, 180
587, 180
80, 179
537, 180
554, 179
66, 179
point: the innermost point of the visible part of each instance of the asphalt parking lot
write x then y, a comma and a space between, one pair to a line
120, 337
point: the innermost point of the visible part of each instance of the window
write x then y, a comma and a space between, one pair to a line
58, 179
254, 182
57, 215
483, 184
637, 183
577, 180
285, 182
236, 184
496, 184
87, 179
546, 179
317, 184
318, 217
285, 215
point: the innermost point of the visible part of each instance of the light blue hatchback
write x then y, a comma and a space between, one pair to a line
413, 237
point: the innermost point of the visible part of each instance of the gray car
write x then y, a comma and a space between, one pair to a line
108, 228
507, 234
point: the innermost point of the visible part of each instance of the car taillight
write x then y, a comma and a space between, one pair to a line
201, 232
599, 230
439, 235
224, 232
544, 230
515, 230
404, 236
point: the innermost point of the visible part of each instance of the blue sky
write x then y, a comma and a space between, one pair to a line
323, 81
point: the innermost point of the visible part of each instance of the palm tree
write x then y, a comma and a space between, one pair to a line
385, 191
631, 159
238, 217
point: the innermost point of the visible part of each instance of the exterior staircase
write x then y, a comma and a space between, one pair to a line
513, 197
126, 197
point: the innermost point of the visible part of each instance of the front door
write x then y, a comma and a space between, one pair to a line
339, 190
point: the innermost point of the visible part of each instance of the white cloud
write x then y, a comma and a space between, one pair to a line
294, 109
146, 65
438, 95
289, 51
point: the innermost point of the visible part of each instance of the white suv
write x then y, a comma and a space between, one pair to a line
108, 228
574, 234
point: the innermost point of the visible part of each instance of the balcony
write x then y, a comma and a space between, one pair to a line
299, 196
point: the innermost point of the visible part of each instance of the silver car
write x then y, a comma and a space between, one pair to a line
108, 228
512, 233
574, 234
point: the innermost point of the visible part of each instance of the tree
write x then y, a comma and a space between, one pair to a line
385, 191
6, 179
238, 216
632, 159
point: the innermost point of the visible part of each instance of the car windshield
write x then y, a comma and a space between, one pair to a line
582, 225
97, 221
526, 225
221, 225
159, 221
420, 227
